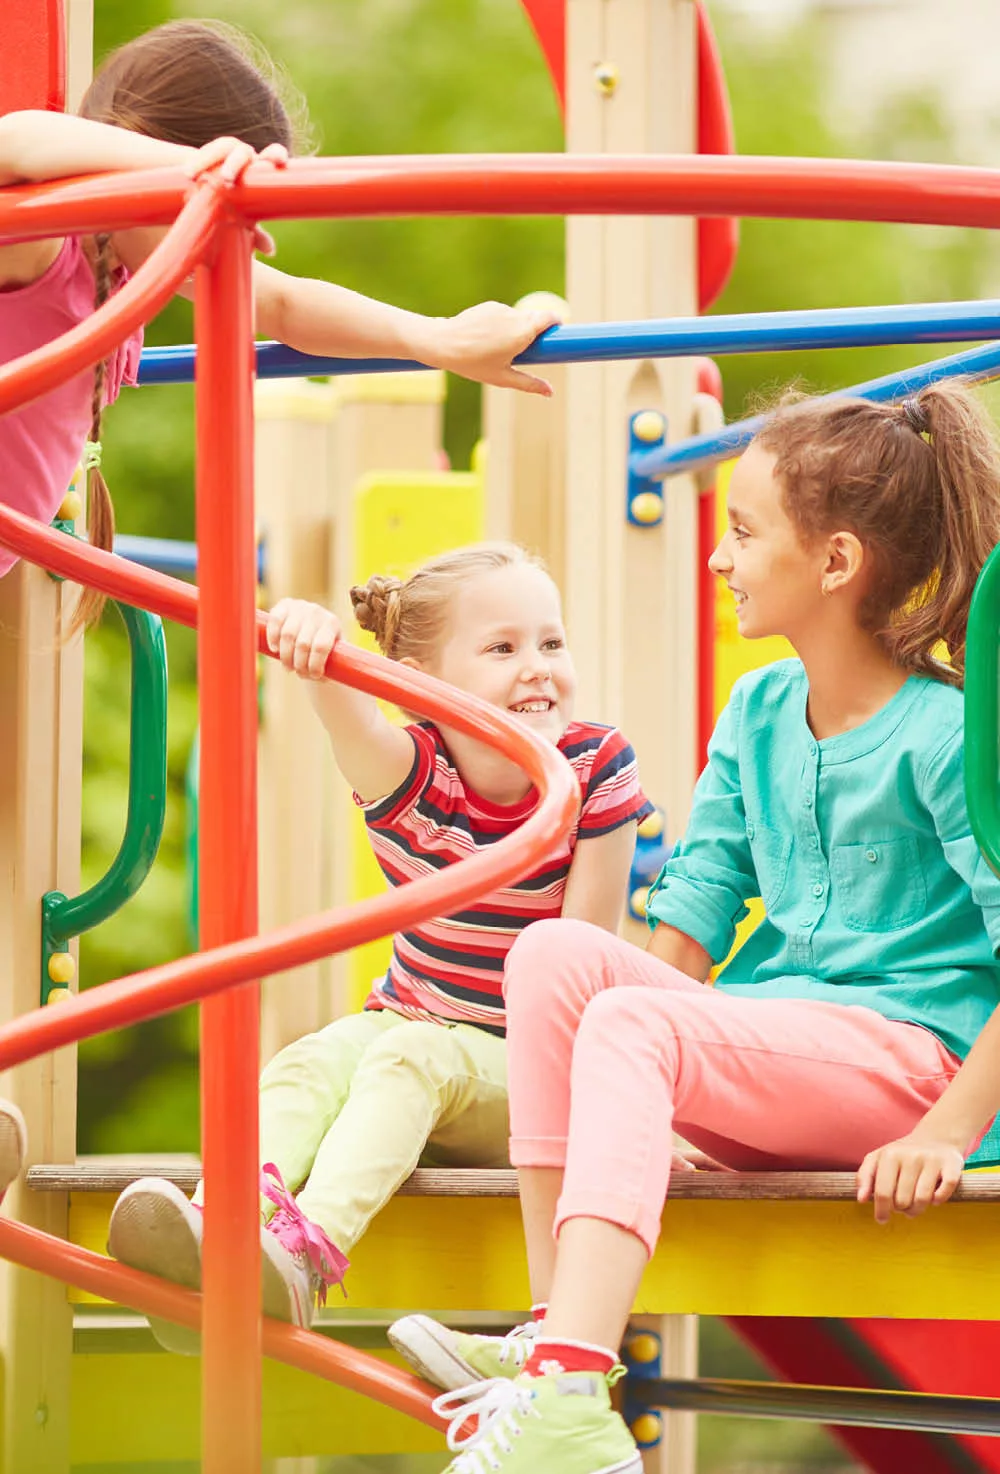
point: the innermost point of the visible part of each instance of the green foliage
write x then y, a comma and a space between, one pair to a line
399, 76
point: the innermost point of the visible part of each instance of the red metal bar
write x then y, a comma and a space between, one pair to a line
152, 287
331, 1360
227, 853
530, 184
160, 989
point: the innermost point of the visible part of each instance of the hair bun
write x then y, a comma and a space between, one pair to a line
376, 608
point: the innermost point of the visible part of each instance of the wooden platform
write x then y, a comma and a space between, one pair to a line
781, 1243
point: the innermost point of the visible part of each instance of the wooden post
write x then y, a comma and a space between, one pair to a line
41, 741
631, 592
41, 728
526, 463
314, 444
294, 482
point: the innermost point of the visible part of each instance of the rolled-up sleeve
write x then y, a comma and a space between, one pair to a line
703, 889
942, 790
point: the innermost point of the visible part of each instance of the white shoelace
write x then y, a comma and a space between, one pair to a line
519, 1343
494, 1408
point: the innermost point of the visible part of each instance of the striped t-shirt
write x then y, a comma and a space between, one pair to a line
452, 967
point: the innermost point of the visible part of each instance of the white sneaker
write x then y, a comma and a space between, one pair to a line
13, 1143
453, 1359
155, 1228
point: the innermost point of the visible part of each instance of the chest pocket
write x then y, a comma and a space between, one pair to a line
771, 853
879, 883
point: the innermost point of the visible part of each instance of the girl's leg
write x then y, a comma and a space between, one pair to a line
811, 1085
568, 962
305, 1086
423, 1085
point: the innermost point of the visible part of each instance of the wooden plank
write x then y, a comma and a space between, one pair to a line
112, 1174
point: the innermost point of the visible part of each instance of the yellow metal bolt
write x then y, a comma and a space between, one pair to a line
647, 1429
647, 507
649, 425
643, 1347
637, 900
70, 507
652, 826
59, 995
606, 78
62, 968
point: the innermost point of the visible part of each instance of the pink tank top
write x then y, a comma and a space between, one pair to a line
41, 445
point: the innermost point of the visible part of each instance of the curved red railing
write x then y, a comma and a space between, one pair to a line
530, 184
212, 235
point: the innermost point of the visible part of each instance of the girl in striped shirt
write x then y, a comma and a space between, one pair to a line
420, 1074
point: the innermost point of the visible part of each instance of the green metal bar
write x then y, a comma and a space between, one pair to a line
982, 712
63, 918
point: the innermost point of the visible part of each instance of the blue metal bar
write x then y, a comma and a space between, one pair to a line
758, 332
162, 554
166, 555
700, 452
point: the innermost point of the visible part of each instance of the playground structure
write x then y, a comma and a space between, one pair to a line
548, 474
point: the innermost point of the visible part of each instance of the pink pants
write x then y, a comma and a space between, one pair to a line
610, 1051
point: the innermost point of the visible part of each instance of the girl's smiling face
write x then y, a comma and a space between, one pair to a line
778, 581
504, 641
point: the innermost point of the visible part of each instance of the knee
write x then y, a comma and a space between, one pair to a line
620, 1022
542, 956
301, 1061
428, 1053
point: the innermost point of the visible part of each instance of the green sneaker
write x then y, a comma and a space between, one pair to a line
451, 1359
562, 1423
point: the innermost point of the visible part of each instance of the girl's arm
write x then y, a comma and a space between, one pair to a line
598, 878
677, 950
322, 318
35, 146
373, 754
924, 1167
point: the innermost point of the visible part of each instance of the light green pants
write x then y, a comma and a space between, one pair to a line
351, 1110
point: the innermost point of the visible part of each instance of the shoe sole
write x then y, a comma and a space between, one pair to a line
154, 1228
13, 1143
424, 1344
281, 1298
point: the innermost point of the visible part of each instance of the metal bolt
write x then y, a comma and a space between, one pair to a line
606, 78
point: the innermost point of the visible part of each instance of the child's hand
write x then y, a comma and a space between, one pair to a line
908, 1175
480, 342
232, 157
302, 635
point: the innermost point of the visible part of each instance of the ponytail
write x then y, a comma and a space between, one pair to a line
100, 509
967, 464
919, 484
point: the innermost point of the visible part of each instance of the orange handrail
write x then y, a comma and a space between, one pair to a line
359, 1372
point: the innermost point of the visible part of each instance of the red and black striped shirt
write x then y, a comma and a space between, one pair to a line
452, 967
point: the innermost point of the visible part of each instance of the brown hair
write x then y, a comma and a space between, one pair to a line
185, 82
919, 485
408, 619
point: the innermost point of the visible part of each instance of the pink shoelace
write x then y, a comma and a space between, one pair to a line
301, 1237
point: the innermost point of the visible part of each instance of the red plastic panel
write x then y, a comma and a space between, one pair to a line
33, 55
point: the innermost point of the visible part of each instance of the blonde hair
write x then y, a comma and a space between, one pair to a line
919, 485
408, 617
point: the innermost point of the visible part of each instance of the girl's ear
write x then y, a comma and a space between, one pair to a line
845, 559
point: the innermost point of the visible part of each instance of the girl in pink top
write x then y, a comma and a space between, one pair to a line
188, 93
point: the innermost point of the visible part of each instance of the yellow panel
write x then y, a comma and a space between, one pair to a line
143, 1407
737, 1258
401, 520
